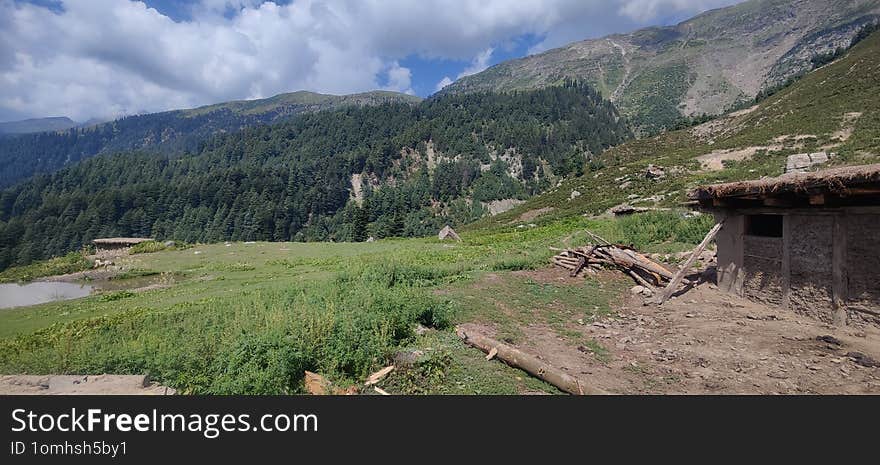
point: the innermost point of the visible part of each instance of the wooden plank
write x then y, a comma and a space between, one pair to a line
817, 199
676, 280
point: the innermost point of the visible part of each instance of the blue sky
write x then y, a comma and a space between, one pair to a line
106, 58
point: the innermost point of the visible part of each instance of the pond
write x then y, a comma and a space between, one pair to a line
18, 295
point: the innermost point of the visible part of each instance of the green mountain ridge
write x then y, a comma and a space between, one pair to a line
393, 169
32, 125
167, 132
704, 65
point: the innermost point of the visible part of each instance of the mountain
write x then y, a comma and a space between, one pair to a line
393, 169
704, 65
833, 109
166, 132
29, 126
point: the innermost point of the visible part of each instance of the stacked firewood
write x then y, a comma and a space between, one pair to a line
642, 269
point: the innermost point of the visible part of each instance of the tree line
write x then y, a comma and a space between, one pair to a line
293, 180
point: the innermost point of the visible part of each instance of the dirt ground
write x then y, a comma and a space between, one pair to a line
82, 385
707, 342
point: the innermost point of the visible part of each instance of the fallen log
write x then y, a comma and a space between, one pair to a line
529, 363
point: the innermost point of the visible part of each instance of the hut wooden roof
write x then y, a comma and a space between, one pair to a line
846, 181
120, 241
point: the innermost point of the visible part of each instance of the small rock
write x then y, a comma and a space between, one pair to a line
862, 359
574, 195
655, 172
636, 290
829, 340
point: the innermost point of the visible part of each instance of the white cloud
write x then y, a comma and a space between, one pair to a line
106, 57
443, 83
399, 79
479, 63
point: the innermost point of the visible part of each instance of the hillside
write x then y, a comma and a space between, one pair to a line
167, 132
382, 170
33, 125
702, 66
833, 109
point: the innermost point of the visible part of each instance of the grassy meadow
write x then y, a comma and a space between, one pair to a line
249, 318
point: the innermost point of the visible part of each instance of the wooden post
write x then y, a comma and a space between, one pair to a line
786, 262
839, 289
676, 280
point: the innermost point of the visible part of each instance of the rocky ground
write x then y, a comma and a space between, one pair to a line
708, 342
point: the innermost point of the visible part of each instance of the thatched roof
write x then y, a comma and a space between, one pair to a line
837, 180
126, 241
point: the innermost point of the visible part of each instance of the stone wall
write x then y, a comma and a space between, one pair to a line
811, 265
798, 271
863, 261
762, 263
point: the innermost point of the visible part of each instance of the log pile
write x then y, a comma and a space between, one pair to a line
591, 258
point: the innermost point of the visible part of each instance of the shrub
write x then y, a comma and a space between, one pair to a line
70, 263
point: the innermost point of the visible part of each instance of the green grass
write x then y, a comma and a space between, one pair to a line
70, 263
250, 318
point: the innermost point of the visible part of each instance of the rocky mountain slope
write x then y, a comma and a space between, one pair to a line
833, 111
167, 132
702, 66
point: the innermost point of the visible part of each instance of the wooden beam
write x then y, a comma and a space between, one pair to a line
777, 202
817, 199
786, 262
839, 290
862, 191
676, 280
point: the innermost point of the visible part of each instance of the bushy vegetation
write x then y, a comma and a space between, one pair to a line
157, 246
293, 181
70, 263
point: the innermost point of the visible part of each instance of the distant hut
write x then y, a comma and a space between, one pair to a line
803, 241
448, 233
116, 245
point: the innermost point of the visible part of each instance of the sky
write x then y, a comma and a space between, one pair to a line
107, 58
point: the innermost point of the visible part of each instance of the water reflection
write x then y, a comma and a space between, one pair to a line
18, 295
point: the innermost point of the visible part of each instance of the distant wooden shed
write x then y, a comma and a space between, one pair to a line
115, 244
803, 241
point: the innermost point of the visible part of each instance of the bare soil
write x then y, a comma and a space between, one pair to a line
80, 384
707, 342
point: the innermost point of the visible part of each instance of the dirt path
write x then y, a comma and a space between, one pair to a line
708, 342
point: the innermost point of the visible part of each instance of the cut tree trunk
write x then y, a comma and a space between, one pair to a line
529, 363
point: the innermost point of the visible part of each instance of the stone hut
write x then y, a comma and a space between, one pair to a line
806, 242
116, 245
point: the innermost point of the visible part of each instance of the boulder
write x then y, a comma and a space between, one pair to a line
655, 172
448, 233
